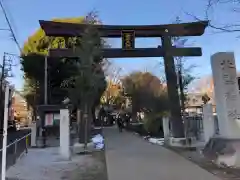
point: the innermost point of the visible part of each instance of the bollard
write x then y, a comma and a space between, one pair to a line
27, 144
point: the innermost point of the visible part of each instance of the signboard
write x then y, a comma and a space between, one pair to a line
48, 119
128, 40
56, 116
52, 119
56, 119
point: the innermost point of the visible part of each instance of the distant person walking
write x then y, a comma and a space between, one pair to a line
120, 120
120, 123
102, 114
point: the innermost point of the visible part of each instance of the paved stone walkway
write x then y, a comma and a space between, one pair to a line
47, 164
129, 157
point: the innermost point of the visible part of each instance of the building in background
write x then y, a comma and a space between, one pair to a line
194, 102
203, 86
20, 108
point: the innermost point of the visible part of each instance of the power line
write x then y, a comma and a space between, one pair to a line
10, 26
11, 19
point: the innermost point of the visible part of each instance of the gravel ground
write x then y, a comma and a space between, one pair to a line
46, 164
196, 157
98, 171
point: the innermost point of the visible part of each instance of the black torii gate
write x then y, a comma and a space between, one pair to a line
128, 34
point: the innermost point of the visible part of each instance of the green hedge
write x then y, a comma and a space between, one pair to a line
153, 124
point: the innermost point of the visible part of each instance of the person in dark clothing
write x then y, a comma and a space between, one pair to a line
120, 123
102, 114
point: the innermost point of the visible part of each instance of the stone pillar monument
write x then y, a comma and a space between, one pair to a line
166, 130
208, 122
64, 134
33, 134
224, 150
226, 94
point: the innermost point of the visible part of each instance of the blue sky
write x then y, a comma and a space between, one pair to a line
24, 16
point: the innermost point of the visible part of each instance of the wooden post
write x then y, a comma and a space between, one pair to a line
173, 96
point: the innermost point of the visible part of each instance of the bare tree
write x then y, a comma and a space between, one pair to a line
231, 6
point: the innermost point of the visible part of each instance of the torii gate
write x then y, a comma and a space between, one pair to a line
128, 34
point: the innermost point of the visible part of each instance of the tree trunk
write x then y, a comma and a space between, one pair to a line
87, 125
182, 97
85, 118
135, 109
84, 123
80, 122
93, 109
181, 91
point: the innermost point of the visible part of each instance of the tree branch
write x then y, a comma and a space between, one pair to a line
223, 29
211, 4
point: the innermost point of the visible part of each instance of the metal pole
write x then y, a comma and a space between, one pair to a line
46, 80
15, 152
41, 133
5, 123
3, 69
1, 85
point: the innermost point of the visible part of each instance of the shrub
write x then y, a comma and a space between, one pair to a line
153, 124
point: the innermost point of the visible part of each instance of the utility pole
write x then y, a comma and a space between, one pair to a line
45, 95
6, 69
4, 144
46, 80
2, 73
2, 89
46, 73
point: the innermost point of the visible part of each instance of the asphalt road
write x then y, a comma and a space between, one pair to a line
130, 157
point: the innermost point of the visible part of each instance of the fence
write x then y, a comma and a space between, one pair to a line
194, 126
16, 149
216, 125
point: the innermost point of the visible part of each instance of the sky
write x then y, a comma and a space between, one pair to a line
24, 16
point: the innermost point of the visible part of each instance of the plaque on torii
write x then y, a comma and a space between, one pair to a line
128, 35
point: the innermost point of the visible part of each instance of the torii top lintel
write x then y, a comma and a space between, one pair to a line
60, 29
